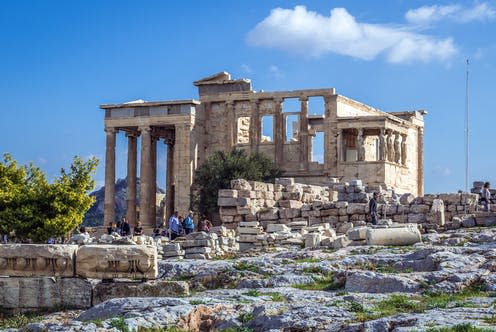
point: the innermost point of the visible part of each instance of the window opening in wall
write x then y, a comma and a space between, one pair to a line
318, 147
351, 153
267, 129
292, 127
316, 106
291, 105
243, 128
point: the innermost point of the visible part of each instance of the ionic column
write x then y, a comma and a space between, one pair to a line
304, 137
146, 176
255, 126
340, 148
153, 184
390, 146
169, 192
279, 133
231, 124
131, 177
109, 202
360, 146
404, 149
420, 162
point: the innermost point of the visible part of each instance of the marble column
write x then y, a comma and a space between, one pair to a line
153, 183
109, 202
231, 125
360, 146
340, 149
404, 149
131, 177
279, 133
255, 125
169, 191
304, 135
420, 162
145, 176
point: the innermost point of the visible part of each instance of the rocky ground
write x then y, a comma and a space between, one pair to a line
445, 283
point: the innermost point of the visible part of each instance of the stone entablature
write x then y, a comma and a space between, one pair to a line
358, 141
88, 261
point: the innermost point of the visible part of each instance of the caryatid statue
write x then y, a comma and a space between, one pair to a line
397, 148
390, 145
360, 146
403, 149
382, 145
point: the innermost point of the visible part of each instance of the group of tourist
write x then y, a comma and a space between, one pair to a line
177, 226
182, 226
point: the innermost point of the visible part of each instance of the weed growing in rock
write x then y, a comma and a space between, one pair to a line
161, 329
197, 302
245, 317
119, 324
275, 296
237, 329
393, 305
312, 270
490, 320
325, 282
306, 260
459, 328
243, 266
253, 293
355, 306
18, 321
98, 322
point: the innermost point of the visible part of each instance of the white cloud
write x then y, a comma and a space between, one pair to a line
306, 32
246, 69
275, 72
442, 170
429, 14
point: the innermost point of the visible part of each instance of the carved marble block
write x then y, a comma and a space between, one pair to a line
28, 260
117, 261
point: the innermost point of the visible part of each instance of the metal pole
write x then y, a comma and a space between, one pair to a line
467, 123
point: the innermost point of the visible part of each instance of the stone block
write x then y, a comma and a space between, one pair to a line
198, 250
357, 233
341, 241
247, 193
285, 181
29, 260
437, 212
250, 230
172, 247
416, 218
406, 199
157, 288
259, 186
240, 184
117, 261
228, 211
344, 227
228, 193
312, 240
343, 218
227, 201
176, 253
292, 204
452, 198
272, 228
226, 219
268, 214
468, 221
289, 213
356, 208
398, 236
244, 210
420, 208
329, 212
197, 243
247, 238
33, 293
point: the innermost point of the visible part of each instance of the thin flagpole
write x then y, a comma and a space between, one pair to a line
467, 126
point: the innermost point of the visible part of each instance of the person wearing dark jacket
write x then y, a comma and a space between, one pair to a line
373, 208
126, 229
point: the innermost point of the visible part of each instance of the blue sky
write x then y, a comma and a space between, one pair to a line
61, 59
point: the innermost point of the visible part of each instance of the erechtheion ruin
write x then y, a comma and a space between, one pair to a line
358, 141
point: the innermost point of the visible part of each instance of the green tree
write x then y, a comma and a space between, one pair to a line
220, 168
34, 208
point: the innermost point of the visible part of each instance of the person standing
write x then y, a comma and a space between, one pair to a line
138, 230
373, 208
125, 228
204, 224
188, 223
174, 226
486, 196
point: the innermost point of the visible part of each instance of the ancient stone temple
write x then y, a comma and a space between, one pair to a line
356, 140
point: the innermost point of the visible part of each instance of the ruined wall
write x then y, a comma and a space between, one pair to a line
342, 205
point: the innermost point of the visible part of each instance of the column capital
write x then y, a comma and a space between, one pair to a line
303, 98
147, 129
110, 130
131, 134
278, 100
